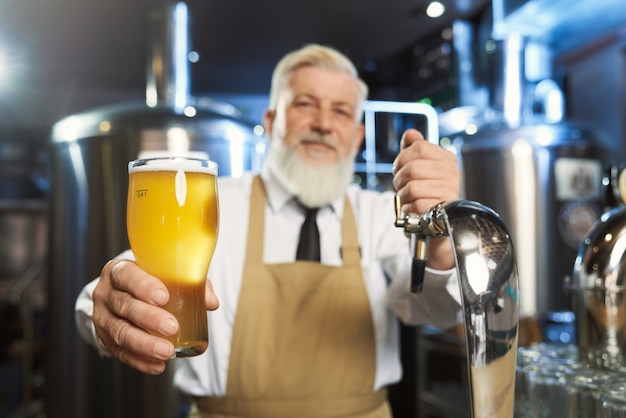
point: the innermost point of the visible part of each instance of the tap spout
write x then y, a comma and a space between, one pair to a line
488, 283
419, 229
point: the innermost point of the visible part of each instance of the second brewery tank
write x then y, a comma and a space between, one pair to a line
542, 174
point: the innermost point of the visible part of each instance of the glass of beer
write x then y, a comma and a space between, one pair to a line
172, 223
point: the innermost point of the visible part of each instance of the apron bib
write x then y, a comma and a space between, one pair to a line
303, 338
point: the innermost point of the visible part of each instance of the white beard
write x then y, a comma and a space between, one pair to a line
313, 185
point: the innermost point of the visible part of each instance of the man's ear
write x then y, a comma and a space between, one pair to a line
268, 121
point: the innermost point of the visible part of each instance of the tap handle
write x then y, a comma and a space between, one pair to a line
412, 225
400, 221
419, 244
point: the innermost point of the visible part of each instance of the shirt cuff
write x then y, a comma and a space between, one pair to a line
84, 322
448, 280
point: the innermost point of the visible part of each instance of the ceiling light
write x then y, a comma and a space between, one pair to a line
435, 9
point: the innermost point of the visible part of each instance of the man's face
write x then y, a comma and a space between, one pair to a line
315, 135
316, 116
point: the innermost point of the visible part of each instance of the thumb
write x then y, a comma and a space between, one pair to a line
210, 298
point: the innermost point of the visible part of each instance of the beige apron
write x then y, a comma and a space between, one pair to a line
303, 339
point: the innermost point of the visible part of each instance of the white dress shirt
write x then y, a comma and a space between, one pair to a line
386, 266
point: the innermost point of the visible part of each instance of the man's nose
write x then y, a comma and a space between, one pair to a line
322, 122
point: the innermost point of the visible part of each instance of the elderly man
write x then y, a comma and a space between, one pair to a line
291, 337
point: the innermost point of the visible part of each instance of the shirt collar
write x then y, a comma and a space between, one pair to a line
278, 197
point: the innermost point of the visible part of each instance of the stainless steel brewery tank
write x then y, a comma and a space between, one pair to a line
89, 157
540, 172
545, 181
90, 154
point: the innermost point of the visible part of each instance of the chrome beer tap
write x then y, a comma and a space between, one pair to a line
488, 282
419, 229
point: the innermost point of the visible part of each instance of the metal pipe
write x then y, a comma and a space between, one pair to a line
488, 281
168, 72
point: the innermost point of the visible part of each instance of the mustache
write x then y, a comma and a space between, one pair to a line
321, 138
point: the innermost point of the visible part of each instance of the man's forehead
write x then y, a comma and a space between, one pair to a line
322, 83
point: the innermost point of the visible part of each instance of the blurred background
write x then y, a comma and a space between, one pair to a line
531, 95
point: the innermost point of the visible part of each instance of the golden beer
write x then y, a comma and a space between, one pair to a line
172, 222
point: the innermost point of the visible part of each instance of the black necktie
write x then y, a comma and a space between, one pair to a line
309, 244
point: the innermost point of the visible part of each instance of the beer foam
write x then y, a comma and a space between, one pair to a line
174, 164
145, 154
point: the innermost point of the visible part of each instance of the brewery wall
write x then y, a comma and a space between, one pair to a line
594, 84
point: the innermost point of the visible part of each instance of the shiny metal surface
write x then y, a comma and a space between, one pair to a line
545, 181
489, 285
543, 176
597, 292
488, 281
